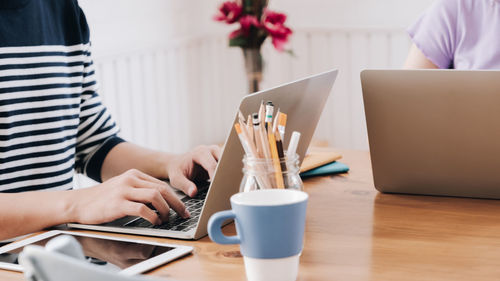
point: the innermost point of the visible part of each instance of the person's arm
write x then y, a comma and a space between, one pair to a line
126, 194
180, 169
434, 36
26, 212
417, 60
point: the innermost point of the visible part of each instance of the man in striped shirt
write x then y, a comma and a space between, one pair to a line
52, 123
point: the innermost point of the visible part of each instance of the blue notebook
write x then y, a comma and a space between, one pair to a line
328, 169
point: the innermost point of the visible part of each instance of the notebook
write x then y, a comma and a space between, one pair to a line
328, 169
317, 157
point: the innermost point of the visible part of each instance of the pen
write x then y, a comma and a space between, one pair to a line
257, 134
281, 155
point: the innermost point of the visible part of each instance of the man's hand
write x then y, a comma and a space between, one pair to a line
126, 195
196, 165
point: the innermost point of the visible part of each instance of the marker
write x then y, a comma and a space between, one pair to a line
269, 114
294, 143
281, 155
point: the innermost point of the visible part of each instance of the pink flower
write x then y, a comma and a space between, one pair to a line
246, 23
274, 24
274, 17
229, 12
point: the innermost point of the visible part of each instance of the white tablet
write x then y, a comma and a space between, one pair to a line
128, 256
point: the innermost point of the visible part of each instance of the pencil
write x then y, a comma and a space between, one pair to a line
282, 125
264, 142
262, 113
243, 141
275, 123
276, 160
241, 117
250, 130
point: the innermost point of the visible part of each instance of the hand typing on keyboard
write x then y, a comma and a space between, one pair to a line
129, 193
176, 222
196, 165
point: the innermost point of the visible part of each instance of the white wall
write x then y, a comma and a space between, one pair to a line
175, 53
131, 25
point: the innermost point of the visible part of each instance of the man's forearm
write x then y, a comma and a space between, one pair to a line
26, 212
126, 156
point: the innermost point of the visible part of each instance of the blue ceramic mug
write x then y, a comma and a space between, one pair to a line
270, 229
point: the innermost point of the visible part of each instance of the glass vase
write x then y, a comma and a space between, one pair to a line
253, 68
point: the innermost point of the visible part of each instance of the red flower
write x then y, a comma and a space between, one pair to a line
229, 12
246, 22
274, 24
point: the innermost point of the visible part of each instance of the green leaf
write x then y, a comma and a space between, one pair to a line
239, 41
291, 53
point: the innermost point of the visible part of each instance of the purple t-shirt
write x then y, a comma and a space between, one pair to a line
460, 34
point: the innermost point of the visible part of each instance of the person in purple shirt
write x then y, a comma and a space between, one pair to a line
457, 34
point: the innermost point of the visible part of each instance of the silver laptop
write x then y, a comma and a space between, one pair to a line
302, 100
434, 132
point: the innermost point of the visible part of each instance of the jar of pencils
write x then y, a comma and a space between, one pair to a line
264, 173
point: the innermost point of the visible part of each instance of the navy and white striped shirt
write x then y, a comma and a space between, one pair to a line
52, 121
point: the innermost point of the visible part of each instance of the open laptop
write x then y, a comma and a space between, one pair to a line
434, 132
302, 100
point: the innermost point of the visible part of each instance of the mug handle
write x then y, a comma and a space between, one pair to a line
214, 228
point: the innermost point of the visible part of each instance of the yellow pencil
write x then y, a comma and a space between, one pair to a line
282, 125
275, 157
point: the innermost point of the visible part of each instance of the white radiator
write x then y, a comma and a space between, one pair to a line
176, 97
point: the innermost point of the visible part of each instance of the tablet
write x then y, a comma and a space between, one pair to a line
127, 256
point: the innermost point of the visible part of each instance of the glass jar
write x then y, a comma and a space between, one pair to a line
260, 173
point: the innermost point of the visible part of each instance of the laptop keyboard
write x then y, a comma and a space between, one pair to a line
176, 222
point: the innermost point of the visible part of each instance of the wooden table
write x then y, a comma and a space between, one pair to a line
355, 233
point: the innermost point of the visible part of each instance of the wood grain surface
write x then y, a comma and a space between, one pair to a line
355, 233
